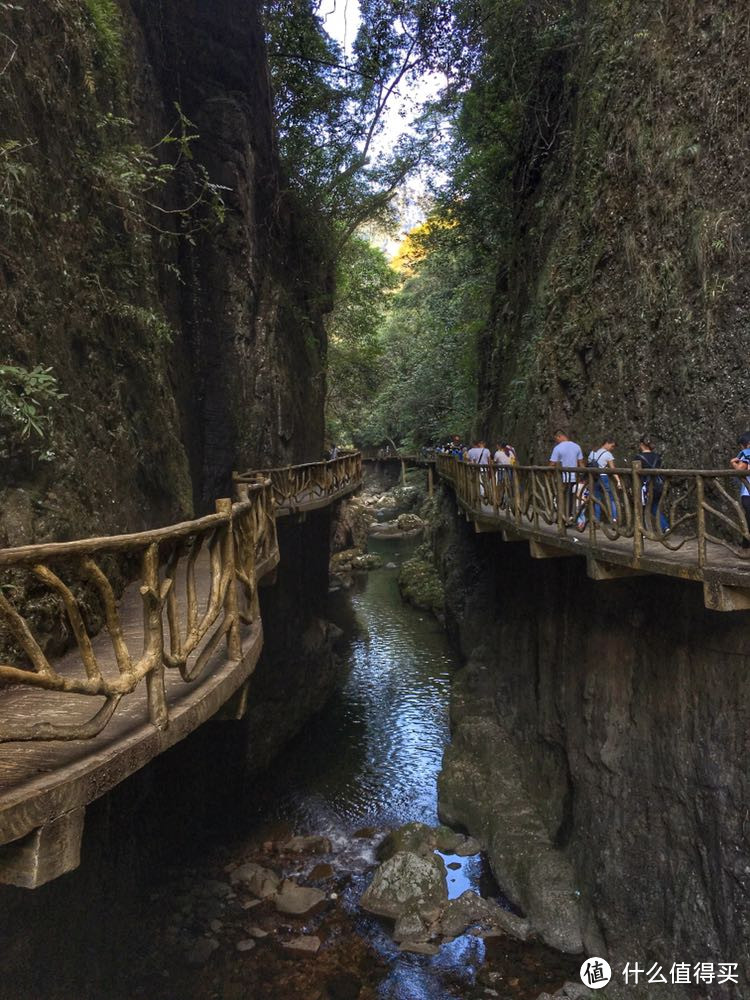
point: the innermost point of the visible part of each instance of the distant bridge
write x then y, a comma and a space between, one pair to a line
175, 649
688, 526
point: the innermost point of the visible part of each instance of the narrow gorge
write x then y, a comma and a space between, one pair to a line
463, 726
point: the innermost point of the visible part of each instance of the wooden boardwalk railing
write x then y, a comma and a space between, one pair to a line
677, 522
299, 488
145, 668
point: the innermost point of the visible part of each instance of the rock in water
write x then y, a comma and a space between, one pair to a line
406, 882
471, 910
308, 845
368, 561
414, 838
419, 947
297, 899
261, 882
409, 522
201, 951
304, 945
410, 927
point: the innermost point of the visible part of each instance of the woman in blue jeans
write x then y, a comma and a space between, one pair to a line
601, 458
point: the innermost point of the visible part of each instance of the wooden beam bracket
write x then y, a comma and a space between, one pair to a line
45, 853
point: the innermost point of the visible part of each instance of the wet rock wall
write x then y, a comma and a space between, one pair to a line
152, 259
622, 301
622, 711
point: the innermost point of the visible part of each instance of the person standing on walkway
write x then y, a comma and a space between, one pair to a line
653, 486
742, 464
480, 455
503, 459
569, 455
602, 458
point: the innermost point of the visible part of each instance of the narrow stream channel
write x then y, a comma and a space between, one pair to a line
371, 758
366, 764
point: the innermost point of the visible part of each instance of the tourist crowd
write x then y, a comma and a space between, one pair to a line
568, 456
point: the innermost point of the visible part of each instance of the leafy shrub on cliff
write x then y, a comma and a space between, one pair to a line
26, 398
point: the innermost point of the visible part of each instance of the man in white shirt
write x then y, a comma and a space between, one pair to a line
570, 457
479, 454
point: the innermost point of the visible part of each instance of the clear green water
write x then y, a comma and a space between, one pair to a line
371, 758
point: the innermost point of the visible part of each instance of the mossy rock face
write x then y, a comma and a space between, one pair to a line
409, 522
367, 561
344, 560
421, 586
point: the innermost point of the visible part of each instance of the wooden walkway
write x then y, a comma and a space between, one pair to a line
527, 507
196, 614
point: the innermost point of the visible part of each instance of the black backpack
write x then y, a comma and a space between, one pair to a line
657, 482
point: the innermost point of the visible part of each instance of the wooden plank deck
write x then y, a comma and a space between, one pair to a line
302, 503
46, 785
40, 781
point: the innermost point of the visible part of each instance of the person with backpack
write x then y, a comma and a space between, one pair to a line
602, 458
741, 463
653, 486
480, 455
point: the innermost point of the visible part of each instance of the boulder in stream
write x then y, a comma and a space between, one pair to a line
297, 899
261, 882
471, 910
307, 845
409, 522
368, 561
410, 927
406, 882
422, 839
305, 944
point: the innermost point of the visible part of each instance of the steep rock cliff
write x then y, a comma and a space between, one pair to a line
621, 710
624, 305
185, 336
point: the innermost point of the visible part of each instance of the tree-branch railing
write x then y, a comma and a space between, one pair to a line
198, 586
296, 485
183, 622
673, 508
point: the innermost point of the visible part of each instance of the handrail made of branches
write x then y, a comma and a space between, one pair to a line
674, 509
197, 582
296, 486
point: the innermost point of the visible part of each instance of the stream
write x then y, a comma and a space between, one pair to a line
366, 764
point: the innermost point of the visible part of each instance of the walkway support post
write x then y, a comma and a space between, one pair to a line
560, 490
430, 481
534, 507
231, 606
700, 511
516, 481
153, 630
403, 472
639, 516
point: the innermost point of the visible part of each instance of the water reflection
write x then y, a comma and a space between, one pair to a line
371, 758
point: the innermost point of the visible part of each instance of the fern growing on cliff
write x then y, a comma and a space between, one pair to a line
107, 22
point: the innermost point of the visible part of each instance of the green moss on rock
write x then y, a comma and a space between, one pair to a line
420, 584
